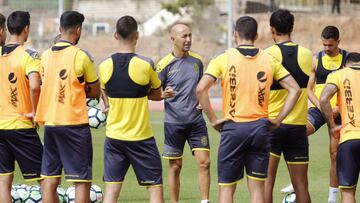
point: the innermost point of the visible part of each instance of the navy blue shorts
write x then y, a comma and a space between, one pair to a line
292, 141
242, 145
316, 119
143, 156
68, 147
177, 134
348, 163
24, 146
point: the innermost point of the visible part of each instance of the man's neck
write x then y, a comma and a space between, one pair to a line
179, 53
282, 38
244, 42
15, 39
336, 52
126, 48
68, 38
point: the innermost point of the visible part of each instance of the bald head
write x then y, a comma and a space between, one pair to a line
181, 37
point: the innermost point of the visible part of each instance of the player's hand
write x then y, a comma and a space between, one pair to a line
273, 124
335, 132
335, 111
218, 124
31, 116
168, 92
199, 108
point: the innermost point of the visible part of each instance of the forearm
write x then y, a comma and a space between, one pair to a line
34, 97
205, 103
327, 112
155, 95
313, 98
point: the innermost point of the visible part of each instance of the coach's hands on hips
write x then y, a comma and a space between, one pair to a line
168, 92
218, 124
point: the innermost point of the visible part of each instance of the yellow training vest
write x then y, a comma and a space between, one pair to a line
62, 99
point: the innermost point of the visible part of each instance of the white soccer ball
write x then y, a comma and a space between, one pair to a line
33, 197
15, 197
61, 194
92, 102
22, 191
70, 195
33, 188
97, 118
289, 198
98, 194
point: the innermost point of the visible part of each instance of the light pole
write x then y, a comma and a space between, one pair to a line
229, 23
61, 7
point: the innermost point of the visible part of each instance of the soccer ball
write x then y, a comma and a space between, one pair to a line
61, 193
70, 195
290, 198
33, 197
96, 117
22, 191
33, 188
98, 193
15, 197
91, 102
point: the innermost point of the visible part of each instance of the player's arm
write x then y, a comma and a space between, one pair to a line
286, 81
202, 90
155, 92
166, 91
85, 68
105, 99
294, 92
34, 83
311, 85
32, 64
327, 93
202, 93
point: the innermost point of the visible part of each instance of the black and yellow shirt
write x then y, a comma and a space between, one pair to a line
16, 63
326, 64
298, 61
126, 79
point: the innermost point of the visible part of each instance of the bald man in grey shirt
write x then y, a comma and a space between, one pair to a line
179, 72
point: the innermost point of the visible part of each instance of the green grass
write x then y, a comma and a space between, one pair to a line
132, 192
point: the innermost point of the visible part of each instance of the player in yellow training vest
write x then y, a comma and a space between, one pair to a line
69, 77
290, 138
345, 139
247, 74
19, 94
129, 80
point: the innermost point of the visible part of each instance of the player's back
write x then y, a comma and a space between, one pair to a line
347, 82
16, 63
126, 78
298, 61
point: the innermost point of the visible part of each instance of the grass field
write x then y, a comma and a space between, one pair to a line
318, 170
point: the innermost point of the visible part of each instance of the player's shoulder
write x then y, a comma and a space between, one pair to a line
145, 60
221, 55
196, 56
85, 55
32, 53
306, 51
164, 62
105, 63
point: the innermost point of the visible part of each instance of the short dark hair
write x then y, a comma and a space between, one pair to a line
126, 26
2, 20
352, 57
246, 26
71, 19
330, 32
283, 21
17, 21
